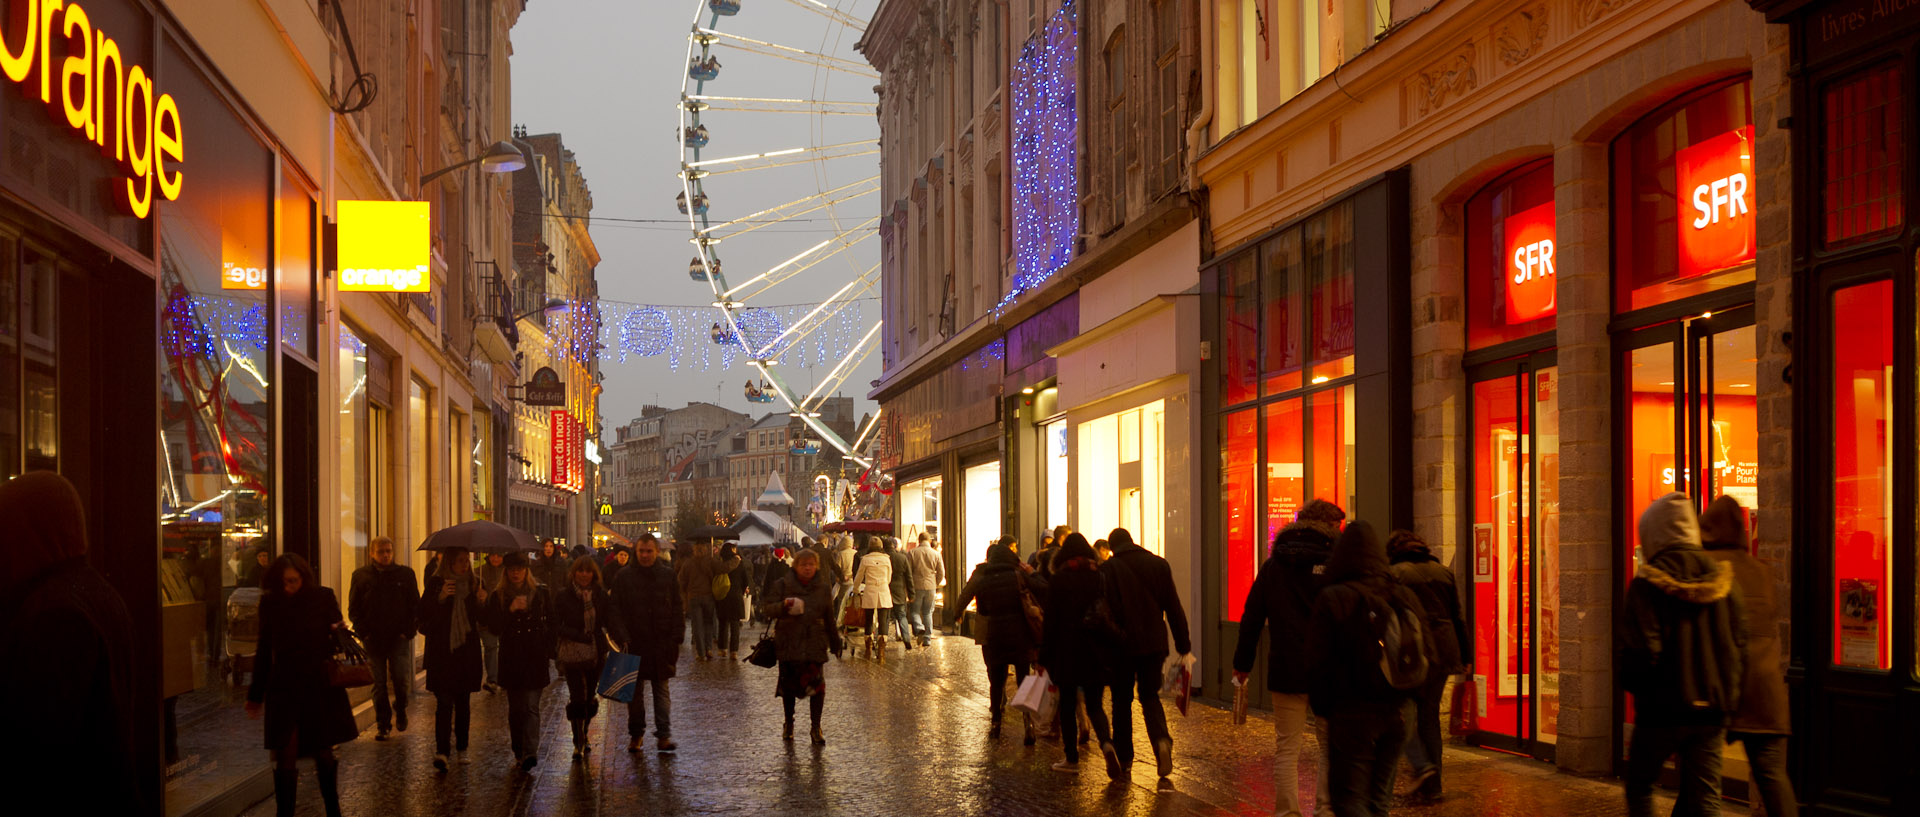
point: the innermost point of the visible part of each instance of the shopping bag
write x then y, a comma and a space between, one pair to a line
1034, 699
620, 677
1461, 707
1177, 680
1239, 702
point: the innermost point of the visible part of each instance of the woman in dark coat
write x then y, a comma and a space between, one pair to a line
581, 610
1763, 722
519, 611
1076, 651
1005, 639
306, 715
733, 608
450, 616
552, 568
618, 559
800, 604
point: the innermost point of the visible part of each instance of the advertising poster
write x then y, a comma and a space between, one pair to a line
1859, 622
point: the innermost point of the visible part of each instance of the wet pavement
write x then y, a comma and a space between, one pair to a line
907, 736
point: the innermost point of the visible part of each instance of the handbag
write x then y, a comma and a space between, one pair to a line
349, 665
854, 617
576, 653
765, 653
1036, 617
620, 677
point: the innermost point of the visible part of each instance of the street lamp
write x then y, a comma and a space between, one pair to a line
503, 157
552, 305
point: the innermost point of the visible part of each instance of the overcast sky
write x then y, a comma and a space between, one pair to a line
607, 75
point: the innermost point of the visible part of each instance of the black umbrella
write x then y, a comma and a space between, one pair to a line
481, 536
712, 532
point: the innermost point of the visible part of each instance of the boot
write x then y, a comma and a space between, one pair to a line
1029, 739
286, 784
786, 734
818, 739
329, 773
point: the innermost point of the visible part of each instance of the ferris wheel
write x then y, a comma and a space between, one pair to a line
779, 170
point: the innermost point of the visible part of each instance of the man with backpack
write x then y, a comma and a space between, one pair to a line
1681, 637
1367, 655
1281, 600
1415, 566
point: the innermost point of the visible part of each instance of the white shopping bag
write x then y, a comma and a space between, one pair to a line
1037, 697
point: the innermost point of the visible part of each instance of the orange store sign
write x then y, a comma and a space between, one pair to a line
82, 76
1715, 180
384, 246
1530, 274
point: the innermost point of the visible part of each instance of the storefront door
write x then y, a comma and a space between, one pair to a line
1515, 596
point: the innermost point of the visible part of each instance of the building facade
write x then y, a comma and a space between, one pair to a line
643, 454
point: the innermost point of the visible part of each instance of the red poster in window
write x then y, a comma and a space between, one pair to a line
567, 449
1529, 254
1715, 182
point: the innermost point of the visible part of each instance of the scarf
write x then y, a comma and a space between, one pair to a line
460, 627
586, 603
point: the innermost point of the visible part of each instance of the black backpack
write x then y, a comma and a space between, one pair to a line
1402, 640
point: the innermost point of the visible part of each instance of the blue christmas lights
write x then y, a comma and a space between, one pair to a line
1045, 127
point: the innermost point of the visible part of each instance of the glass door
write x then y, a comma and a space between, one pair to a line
1514, 564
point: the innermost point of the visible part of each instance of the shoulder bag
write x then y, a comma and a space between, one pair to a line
349, 665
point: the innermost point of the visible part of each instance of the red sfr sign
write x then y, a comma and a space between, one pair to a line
1715, 182
1530, 272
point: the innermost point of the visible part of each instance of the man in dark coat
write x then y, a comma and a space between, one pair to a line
67, 646
649, 625
900, 587
383, 601
1347, 685
1763, 722
1418, 570
1145, 605
1681, 639
1282, 598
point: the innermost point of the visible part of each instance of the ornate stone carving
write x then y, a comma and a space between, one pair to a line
1586, 12
1521, 35
1451, 77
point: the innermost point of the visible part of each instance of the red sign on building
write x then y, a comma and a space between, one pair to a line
1530, 268
1717, 205
568, 444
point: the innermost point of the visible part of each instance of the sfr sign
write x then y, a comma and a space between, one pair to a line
1716, 218
1530, 267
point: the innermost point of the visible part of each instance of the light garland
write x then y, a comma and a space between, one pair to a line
1045, 169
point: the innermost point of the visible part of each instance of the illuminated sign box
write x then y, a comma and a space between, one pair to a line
384, 246
1530, 266
1717, 204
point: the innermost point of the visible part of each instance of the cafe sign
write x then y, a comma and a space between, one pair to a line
545, 389
82, 78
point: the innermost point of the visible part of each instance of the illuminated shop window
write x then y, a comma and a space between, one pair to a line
1862, 474
1239, 467
1684, 199
1861, 183
1511, 268
1122, 475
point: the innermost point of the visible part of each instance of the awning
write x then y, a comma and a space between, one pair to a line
600, 529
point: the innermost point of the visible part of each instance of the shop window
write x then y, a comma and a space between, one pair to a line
981, 511
1512, 280
1684, 199
920, 510
356, 451
295, 277
1862, 400
1286, 465
1327, 252
1122, 474
1239, 330
1332, 413
481, 459
1056, 445
9, 358
418, 468
1861, 180
1280, 319
1239, 467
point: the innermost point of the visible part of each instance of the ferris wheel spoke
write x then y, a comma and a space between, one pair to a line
769, 165
781, 158
752, 46
779, 105
831, 13
773, 215
786, 270
847, 365
839, 301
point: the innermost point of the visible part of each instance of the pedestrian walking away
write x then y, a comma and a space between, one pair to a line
1762, 723
799, 604
305, 715
732, 608
1077, 649
1005, 635
696, 574
1417, 569
1681, 639
841, 560
581, 610
649, 624
1042, 560
1146, 607
383, 603
67, 649
1281, 601
1349, 688
929, 574
872, 592
450, 615
519, 609
900, 587
490, 571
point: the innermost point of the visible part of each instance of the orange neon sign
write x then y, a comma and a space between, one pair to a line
384, 246
100, 96
1717, 204
1530, 267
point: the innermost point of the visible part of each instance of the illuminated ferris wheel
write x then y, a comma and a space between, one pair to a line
779, 167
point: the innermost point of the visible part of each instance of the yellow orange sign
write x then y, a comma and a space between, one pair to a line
84, 78
384, 246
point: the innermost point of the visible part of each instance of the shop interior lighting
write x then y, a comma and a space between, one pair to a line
1027, 390
1321, 379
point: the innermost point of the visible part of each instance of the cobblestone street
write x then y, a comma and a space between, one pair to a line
905, 737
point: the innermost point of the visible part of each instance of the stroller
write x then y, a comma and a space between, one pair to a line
243, 631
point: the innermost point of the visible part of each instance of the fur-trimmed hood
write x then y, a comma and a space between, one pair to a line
1689, 575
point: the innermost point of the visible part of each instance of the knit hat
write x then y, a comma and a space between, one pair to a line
514, 560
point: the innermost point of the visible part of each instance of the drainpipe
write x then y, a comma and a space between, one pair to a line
1197, 132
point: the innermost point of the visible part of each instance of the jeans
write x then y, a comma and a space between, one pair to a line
662, 710
1423, 726
1070, 697
1699, 751
1143, 672
583, 686
902, 623
997, 686
394, 662
1767, 764
490, 655
729, 635
706, 618
1363, 754
451, 714
923, 611
523, 720
1291, 721
877, 616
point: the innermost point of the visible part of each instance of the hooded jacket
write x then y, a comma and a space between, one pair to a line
1144, 601
1282, 598
1343, 647
1433, 584
1682, 630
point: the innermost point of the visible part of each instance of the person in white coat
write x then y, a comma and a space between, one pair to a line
871, 592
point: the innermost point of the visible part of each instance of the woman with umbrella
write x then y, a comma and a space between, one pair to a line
450, 615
